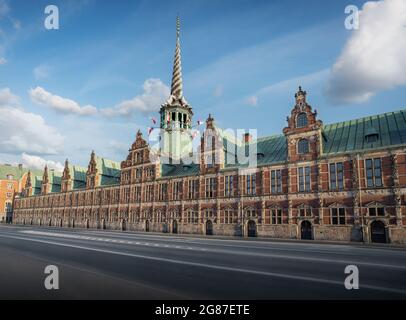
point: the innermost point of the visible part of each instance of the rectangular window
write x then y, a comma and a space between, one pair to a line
276, 216
373, 172
336, 176
304, 179
376, 211
228, 186
210, 187
337, 216
192, 188
250, 184
276, 181
305, 212
177, 190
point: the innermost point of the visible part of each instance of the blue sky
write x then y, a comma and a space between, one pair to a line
242, 62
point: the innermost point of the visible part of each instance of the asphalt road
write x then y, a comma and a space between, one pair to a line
95, 264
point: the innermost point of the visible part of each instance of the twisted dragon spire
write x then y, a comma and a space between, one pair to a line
176, 87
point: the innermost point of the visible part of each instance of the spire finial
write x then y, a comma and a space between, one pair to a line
176, 87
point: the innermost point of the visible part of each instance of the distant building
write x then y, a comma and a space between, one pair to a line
344, 181
12, 181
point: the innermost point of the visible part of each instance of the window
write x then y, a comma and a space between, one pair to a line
304, 178
305, 212
177, 189
336, 176
228, 186
192, 217
337, 216
303, 146
209, 187
276, 216
276, 181
192, 188
9, 195
376, 211
250, 184
9, 186
162, 190
230, 216
301, 120
373, 172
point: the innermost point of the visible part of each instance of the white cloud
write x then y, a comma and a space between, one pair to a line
35, 162
374, 58
2, 61
155, 93
22, 131
7, 98
42, 97
41, 72
252, 101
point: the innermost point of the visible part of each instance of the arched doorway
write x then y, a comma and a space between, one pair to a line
306, 230
147, 225
252, 229
73, 223
165, 228
49, 223
103, 224
209, 228
123, 225
175, 226
378, 232
87, 223
60, 223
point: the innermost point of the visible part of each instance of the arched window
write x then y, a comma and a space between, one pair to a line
301, 120
303, 146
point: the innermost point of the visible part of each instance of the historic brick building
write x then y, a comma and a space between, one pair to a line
12, 181
343, 181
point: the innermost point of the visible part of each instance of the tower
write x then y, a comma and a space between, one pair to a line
176, 114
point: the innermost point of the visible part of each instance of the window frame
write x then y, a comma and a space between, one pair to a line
300, 145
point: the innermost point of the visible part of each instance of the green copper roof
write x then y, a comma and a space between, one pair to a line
109, 170
6, 170
179, 170
36, 183
350, 136
342, 137
78, 176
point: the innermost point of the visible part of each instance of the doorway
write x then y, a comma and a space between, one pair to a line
175, 226
209, 228
378, 232
306, 230
252, 229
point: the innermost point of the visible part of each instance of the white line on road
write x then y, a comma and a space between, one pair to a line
329, 260
209, 266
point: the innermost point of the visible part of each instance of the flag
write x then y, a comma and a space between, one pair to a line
153, 120
199, 122
150, 130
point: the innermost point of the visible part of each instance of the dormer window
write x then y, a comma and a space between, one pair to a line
371, 135
303, 146
301, 120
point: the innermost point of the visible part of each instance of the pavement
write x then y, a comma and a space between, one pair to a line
100, 264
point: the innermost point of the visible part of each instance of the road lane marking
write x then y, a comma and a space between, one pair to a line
222, 251
209, 266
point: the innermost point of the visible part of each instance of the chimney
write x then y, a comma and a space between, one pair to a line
247, 137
